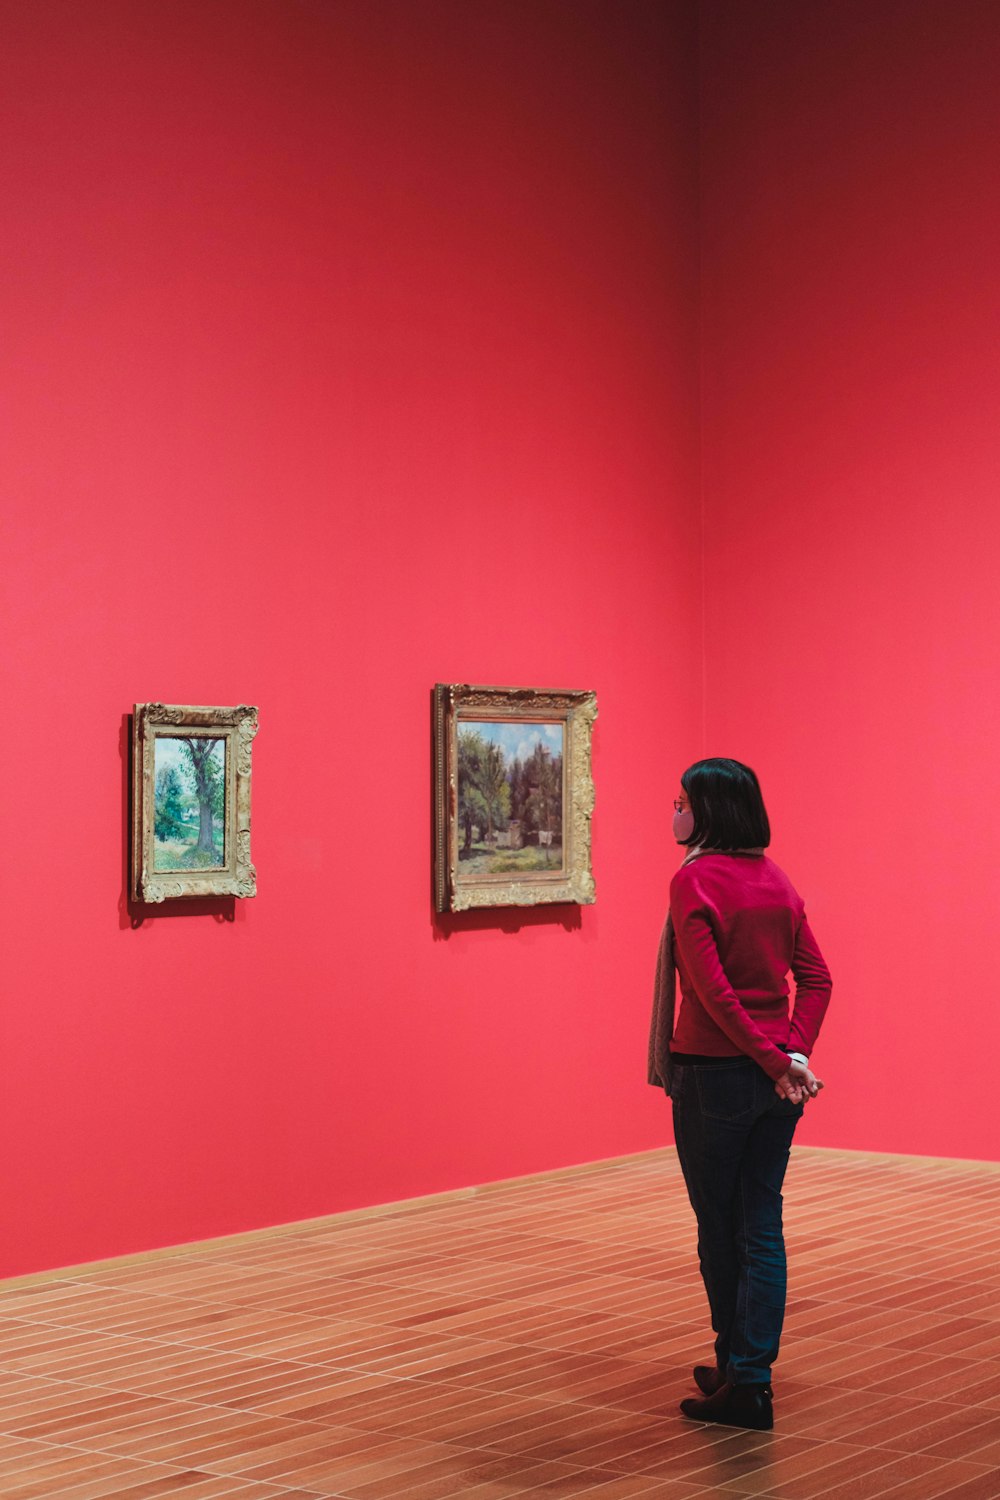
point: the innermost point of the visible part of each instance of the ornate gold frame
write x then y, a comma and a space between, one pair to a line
454, 702
237, 727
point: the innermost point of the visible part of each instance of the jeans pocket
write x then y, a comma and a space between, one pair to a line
726, 1093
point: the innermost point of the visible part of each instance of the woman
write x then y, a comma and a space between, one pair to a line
736, 1068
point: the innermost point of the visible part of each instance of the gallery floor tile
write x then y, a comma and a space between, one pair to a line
528, 1340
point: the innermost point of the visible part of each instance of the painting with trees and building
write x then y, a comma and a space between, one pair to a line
514, 794
189, 809
191, 801
510, 797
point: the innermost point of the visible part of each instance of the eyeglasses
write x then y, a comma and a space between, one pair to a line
680, 805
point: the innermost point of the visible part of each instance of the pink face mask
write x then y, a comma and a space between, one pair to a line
683, 825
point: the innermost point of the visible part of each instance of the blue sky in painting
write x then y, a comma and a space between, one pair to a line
518, 740
170, 752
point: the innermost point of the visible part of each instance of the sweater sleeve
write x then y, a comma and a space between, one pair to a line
812, 991
700, 955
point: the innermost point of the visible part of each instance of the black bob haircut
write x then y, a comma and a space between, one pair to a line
727, 805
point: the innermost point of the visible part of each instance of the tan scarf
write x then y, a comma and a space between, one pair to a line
659, 1069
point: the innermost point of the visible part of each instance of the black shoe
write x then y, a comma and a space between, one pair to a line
734, 1406
708, 1378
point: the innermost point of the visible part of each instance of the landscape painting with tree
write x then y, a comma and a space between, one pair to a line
513, 796
190, 803
190, 806
510, 797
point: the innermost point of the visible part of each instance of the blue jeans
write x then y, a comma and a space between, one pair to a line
733, 1136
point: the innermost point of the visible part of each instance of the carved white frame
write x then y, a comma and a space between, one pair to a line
455, 702
237, 727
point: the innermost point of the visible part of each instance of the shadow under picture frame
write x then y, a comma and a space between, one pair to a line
513, 796
191, 780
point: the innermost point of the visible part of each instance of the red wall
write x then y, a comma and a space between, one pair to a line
348, 348
851, 237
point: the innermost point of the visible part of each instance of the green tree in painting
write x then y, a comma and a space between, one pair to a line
544, 804
169, 819
519, 791
494, 789
209, 789
471, 810
483, 789
219, 797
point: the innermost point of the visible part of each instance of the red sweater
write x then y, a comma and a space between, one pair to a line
739, 927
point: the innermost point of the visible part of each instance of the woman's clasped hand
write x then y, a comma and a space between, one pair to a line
798, 1084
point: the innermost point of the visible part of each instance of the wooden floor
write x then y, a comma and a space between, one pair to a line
528, 1340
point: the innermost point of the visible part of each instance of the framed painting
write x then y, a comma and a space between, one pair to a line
191, 801
513, 796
